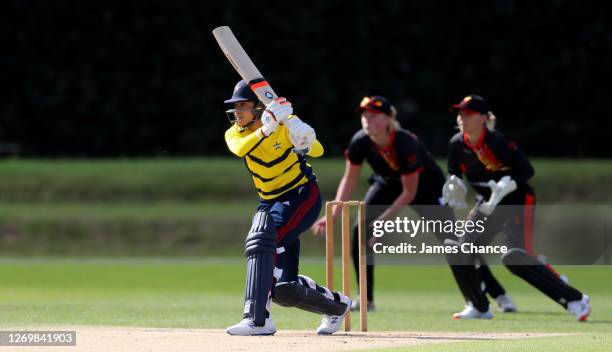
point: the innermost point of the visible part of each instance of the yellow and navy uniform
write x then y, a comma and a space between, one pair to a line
272, 164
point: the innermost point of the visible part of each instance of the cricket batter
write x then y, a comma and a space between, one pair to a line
404, 174
274, 144
499, 172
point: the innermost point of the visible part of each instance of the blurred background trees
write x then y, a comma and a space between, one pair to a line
146, 78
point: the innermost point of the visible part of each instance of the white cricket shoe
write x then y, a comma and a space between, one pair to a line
247, 327
505, 304
355, 306
472, 313
581, 309
331, 323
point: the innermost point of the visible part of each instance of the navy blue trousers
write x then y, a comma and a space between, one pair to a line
293, 213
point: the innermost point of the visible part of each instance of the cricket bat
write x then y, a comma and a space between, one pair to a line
243, 64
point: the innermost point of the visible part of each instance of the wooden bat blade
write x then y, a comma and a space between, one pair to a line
243, 64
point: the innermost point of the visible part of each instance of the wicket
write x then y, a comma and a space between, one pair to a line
329, 256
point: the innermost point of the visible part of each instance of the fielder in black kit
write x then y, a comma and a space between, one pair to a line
499, 172
404, 174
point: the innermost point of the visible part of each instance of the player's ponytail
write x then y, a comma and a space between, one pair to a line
394, 124
491, 119
459, 124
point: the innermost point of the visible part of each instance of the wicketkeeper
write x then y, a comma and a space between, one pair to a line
274, 145
499, 172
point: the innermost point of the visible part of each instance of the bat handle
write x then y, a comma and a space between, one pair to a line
301, 151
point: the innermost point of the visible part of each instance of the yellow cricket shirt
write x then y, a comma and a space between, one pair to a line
272, 164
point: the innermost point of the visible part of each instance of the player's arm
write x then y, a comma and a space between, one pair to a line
453, 166
511, 155
316, 149
410, 184
345, 189
454, 189
410, 165
242, 145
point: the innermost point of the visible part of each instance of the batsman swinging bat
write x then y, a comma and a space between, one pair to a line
245, 67
243, 64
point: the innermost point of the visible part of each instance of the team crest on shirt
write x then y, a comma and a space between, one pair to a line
277, 145
489, 160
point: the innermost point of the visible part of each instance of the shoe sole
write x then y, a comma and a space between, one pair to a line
266, 334
585, 316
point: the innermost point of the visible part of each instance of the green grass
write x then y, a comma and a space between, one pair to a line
582, 342
207, 293
204, 179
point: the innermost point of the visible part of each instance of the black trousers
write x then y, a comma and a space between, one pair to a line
514, 218
425, 204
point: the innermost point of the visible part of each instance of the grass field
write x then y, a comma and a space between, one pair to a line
207, 293
154, 243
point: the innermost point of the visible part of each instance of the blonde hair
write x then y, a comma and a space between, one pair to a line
491, 120
394, 124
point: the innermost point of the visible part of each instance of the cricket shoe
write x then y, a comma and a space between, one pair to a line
505, 304
472, 313
247, 327
355, 306
581, 309
331, 323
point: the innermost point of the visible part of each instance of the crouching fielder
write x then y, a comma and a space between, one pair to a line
499, 172
274, 145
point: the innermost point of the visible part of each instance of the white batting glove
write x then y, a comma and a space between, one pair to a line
269, 124
498, 191
454, 192
301, 135
279, 109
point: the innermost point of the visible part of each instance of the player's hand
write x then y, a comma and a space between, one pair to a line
304, 139
269, 124
318, 228
280, 109
300, 133
454, 192
498, 191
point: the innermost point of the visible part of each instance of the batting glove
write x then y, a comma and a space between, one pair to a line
279, 109
301, 134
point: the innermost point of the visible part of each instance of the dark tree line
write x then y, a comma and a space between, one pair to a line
139, 78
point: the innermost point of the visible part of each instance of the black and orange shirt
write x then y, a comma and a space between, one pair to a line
491, 158
405, 154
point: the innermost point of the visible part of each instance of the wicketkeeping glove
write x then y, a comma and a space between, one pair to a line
498, 191
454, 192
